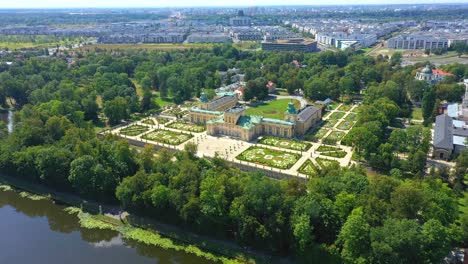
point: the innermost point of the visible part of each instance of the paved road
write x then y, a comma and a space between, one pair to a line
299, 98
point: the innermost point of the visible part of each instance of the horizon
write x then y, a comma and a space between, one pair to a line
55, 4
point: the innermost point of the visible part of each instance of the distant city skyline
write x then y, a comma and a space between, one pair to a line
192, 3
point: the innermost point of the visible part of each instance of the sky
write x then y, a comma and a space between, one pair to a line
162, 3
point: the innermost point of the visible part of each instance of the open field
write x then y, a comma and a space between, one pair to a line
147, 46
186, 127
272, 109
167, 137
134, 130
269, 157
308, 168
285, 143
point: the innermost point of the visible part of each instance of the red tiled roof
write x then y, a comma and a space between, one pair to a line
435, 71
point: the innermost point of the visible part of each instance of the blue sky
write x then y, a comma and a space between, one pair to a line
160, 3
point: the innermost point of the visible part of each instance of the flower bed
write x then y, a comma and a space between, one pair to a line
162, 120
351, 117
308, 168
148, 121
331, 151
167, 137
329, 123
345, 125
335, 136
186, 127
316, 135
133, 130
337, 115
327, 162
345, 107
269, 157
285, 143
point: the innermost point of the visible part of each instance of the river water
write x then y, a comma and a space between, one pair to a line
42, 232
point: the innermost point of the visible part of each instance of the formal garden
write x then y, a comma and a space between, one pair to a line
167, 137
176, 112
269, 157
134, 130
316, 134
331, 151
329, 123
337, 115
334, 137
308, 168
285, 143
162, 120
351, 117
345, 125
345, 107
186, 127
326, 162
148, 121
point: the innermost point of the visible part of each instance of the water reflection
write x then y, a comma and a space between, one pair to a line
24, 229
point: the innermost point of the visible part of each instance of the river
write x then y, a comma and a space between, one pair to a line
42, 232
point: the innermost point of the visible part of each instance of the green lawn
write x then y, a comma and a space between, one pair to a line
167, 137
186, 127
161, 101
308, 168
269, 157
417, 113
272, 109
285, 143
334, 137
134, 130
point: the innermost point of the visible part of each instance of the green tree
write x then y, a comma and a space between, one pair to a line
354, 238
116, 110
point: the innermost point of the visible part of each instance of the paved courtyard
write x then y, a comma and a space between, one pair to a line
231, 149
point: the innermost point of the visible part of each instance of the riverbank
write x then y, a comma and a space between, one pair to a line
142, 229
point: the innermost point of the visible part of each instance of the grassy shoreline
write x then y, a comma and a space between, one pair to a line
164, 236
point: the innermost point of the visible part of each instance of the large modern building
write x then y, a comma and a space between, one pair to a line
431, 76
451, 129
417, 42
235, 123
297, 44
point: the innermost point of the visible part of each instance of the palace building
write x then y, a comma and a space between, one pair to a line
233, 122
451, 129
431, 76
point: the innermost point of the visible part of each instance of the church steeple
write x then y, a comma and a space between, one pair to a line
204, 97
